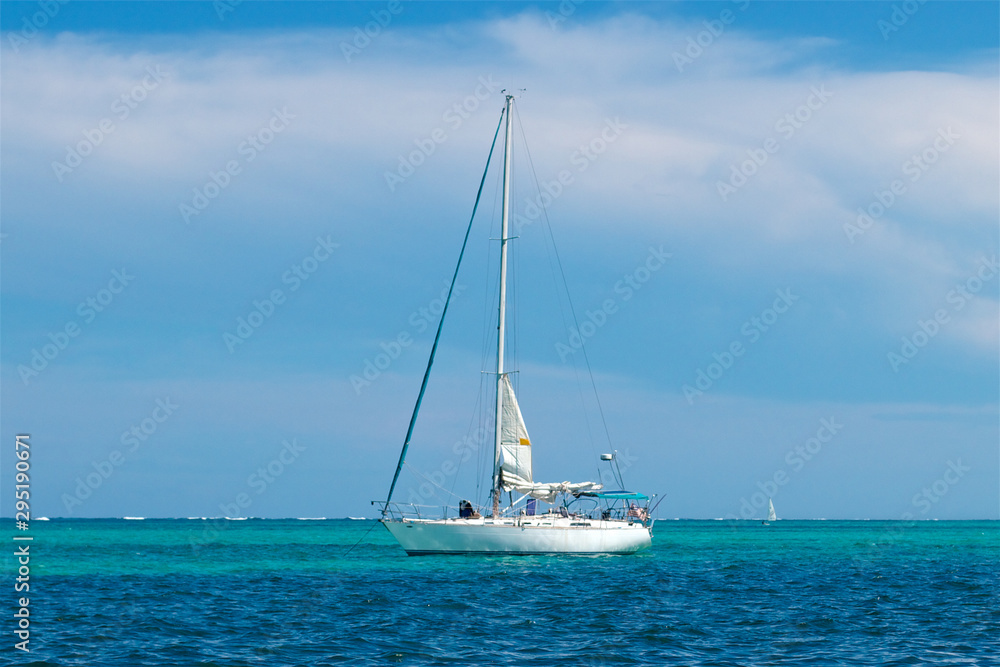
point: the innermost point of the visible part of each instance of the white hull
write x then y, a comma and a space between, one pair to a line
537, 535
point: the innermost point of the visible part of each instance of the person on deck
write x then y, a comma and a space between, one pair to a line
467, 511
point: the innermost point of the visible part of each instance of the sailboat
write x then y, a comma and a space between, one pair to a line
771, 516
583, 517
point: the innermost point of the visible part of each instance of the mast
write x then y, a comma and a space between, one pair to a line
501, 323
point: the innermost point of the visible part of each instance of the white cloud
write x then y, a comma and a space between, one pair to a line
685, 130
980, 326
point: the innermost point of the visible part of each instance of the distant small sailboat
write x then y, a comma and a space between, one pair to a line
771, 516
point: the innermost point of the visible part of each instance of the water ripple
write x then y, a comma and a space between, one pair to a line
273, 593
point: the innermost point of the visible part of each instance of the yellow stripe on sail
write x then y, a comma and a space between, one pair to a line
524, 441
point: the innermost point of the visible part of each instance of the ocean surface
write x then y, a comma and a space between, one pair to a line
295, 592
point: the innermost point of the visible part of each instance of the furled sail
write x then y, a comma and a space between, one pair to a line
515, 455
515, 447
547, 492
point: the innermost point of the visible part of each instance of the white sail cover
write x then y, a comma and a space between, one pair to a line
515, 455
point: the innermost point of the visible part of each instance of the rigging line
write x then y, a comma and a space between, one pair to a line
512, 348
560, 294
437, 336
549, 246
480, 465
344, 555
555, 250
431, 481
586, 416
472, 420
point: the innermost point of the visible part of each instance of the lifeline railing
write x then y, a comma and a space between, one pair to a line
400, 511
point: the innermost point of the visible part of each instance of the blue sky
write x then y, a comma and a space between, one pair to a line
742, 139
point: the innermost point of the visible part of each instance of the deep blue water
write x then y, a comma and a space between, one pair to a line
269, 592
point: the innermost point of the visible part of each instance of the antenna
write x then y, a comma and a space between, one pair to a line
612, 460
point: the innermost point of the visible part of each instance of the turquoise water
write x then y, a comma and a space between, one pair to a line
290, 592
